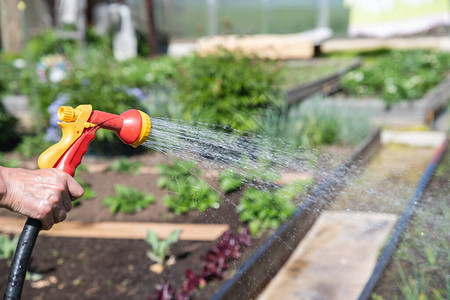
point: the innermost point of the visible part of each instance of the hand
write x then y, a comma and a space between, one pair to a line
44, 194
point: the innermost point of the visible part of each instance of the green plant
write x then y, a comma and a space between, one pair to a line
128, 200
226, 89
160, 247
7, 246
397, 75
124, 165
314, 123
230, 181
265, 209
32, 145
189, 191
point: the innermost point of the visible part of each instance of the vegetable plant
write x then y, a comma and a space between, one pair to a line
189, 191
124, 165
265, 209
160, 247
216, 261
230, 181
226, 89
397, 75
128, 200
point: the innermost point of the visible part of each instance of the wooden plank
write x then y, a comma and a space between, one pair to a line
335, 259
120, 230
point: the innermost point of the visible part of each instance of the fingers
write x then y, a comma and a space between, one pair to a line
74, 188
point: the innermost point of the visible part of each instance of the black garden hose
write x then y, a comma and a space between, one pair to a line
21, 259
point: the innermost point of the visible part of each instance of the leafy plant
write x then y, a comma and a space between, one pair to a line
264, 209
397, 75
230, 181
226, 89
128, 200
124, 165
160, 247
216, 261
7, 246
189, 191
32, 145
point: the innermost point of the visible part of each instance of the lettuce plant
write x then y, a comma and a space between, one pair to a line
128, 200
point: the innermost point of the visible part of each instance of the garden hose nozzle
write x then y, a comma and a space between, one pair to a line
79, 126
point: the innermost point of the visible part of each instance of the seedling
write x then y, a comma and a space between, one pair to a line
189, 191
230, 181
160, 247
124, 165
265, 209
128, 200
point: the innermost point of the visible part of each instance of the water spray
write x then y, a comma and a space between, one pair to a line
79, 126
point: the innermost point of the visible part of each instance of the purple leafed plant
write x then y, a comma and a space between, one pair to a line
229, 247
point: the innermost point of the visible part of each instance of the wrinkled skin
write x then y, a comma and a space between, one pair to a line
44, 194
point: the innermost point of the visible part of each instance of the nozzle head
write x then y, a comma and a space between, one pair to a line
136, 127
68, 114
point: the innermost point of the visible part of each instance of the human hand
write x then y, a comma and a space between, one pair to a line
44, 194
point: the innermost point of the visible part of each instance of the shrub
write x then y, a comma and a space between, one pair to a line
226, 89
397, 75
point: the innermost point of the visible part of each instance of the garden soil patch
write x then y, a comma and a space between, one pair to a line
82, 268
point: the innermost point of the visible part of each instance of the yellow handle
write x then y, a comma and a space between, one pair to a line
74, 122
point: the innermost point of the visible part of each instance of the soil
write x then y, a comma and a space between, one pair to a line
82, 268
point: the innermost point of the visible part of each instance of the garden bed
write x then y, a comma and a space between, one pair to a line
79, 267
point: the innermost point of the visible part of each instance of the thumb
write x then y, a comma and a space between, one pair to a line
74, 188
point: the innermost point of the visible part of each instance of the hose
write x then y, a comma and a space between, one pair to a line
21, 259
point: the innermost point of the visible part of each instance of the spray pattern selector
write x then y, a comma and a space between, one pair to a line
79, 126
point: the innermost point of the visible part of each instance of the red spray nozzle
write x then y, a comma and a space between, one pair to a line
79, 126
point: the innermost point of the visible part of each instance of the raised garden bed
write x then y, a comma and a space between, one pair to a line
68, 273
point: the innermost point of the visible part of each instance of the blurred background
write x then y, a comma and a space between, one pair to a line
262, 77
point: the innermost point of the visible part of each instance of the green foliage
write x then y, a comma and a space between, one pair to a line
128, 200
32, 145
230, 181
226, 89
7, 246
265, 209
189, 191
313, 123
160, 247
124, 165
397, 75
48, 43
